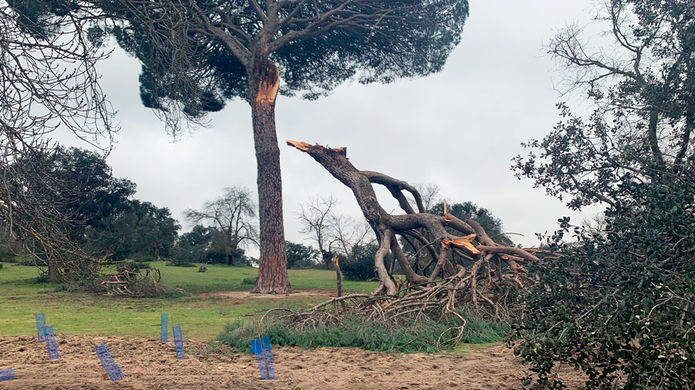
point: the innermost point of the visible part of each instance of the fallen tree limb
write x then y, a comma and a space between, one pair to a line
454, 245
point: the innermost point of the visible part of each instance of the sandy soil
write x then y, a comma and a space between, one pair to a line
148, 364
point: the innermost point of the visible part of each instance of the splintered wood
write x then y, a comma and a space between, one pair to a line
465, 264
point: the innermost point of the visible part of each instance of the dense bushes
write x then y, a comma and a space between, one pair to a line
301, 256
360, 266
621, 305
371, 335
7, 255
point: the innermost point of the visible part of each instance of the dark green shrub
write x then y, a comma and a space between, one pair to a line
7, 255
301, 256
180, 262
140, 258
360, 266
620, 306
130, 266
370, 335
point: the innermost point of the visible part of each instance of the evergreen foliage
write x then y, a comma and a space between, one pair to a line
370, 335
301, 256
619, 304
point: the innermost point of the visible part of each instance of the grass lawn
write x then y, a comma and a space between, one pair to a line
225, 278
200, 317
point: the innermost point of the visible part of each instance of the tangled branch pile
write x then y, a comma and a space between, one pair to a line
466, 265
132, 281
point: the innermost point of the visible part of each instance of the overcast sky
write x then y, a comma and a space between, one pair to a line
458, 129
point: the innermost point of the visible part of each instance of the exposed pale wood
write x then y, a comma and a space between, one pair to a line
268, 84
473, 250
463, 242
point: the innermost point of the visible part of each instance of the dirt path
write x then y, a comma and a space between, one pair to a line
148, 364
249, 295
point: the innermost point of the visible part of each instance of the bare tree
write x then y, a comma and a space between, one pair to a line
430, 195
348, 233
48, 78
315, 218
49, 81
333, 233
231, 215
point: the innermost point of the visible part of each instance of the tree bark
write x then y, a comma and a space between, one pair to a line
52, 273
272, 270
338, 277
468, 240
326, 257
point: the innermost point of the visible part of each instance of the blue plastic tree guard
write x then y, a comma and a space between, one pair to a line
40, 323
264, 356
164, 328
110, 366
178, 341
6, 375
51, 344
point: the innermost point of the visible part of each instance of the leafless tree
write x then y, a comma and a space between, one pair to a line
49, 82
333, 233
315, 218
231, 215
430, 194
348, 232
49, 79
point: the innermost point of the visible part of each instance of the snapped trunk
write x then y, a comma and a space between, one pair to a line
272, 270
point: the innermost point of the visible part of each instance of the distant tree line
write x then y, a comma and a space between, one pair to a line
101, 216
97, 209
224, 227
354, 244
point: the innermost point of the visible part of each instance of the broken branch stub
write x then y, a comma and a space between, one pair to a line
461, 245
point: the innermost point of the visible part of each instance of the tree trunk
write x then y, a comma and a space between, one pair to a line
338, 277
52, 272
272, 270
474, 249
327, 259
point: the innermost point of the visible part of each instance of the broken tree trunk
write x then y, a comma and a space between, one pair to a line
457, 247
272, 263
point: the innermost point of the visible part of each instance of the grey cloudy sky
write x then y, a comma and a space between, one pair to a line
457, 129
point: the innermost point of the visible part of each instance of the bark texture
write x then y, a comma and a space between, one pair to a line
483, 269
272, 270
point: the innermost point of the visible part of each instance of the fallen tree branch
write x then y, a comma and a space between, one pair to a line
454, 245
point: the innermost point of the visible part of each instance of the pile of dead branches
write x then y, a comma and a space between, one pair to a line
426, 303
132, 281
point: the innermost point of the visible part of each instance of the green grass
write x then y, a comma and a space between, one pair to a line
200, 317
225, 278
429, 336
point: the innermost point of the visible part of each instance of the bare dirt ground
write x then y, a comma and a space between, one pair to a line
148, 364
